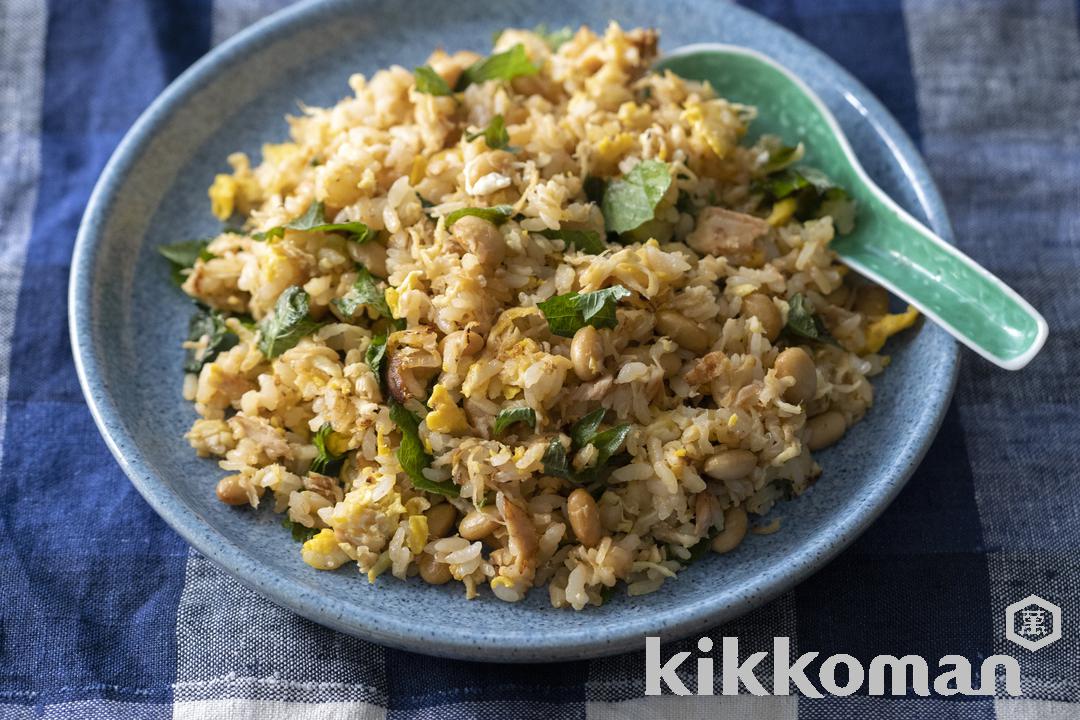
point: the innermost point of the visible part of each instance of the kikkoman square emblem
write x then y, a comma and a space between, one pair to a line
1033, 623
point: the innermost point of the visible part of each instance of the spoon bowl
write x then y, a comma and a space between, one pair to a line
888, 245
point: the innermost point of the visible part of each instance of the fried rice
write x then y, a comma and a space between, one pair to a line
544, 319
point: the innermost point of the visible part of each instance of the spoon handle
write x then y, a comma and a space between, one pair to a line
946, 285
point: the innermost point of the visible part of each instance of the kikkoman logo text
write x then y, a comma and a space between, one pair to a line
885, 675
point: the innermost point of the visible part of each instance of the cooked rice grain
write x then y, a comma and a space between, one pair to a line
400, 161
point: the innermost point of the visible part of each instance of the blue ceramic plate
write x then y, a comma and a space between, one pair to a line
127, 321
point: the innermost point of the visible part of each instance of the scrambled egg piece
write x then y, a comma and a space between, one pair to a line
392, 295
717, 122
419, 167
366, 520
337, 443
381, 565
381, 446
885, 327
367, 183
323, 552
610, 150
223, 196
418, 534
412, 281
231, 193
276, 267
286, 159
279, 153
782, 212
445, 416
634, 116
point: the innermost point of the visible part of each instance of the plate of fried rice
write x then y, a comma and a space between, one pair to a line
487, 339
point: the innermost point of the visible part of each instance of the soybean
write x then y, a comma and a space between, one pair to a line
872, 301
671, 363
684, 332
584, 517
735, 524
433, 571
825, 429
762, 307
730, 464
440, 519
481, 238
797, 363
587, 353
477, 525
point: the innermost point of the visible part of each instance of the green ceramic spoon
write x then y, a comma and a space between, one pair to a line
887, 246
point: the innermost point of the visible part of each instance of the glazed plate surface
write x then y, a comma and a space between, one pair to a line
127, 320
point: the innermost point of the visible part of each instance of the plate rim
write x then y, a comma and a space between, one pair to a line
389, 629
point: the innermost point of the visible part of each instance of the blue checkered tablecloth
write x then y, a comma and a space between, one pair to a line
106, 612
